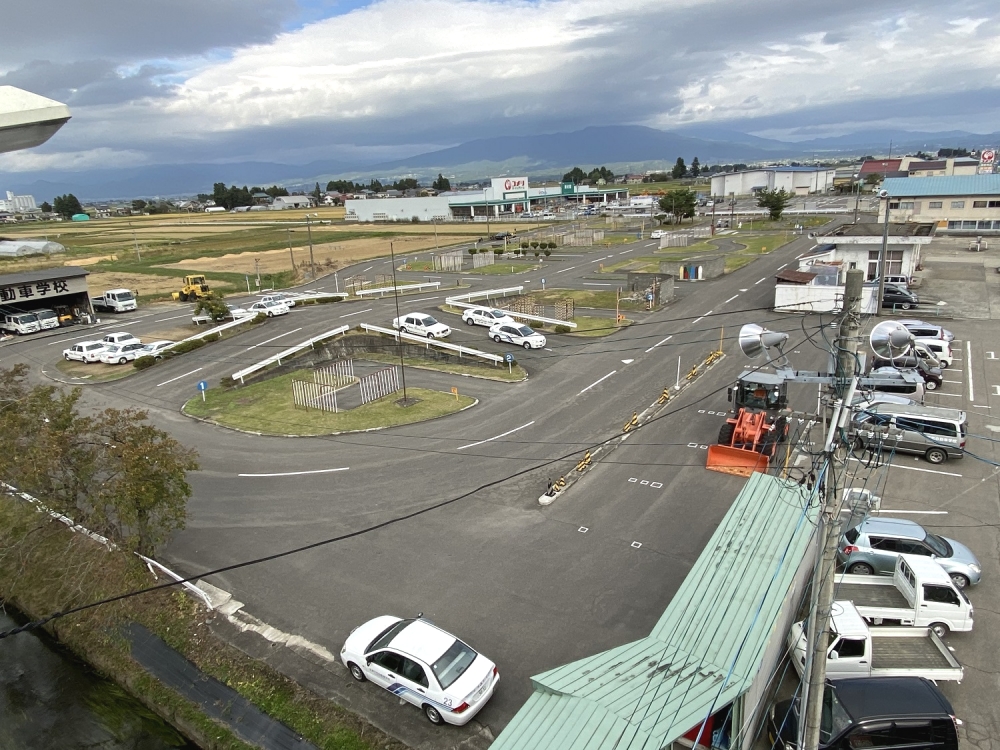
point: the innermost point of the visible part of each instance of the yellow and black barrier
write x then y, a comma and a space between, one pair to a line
665, 396
632, 422
584, 462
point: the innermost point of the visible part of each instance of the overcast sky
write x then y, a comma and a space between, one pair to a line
297, 80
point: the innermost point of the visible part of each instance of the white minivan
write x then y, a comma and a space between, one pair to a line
939, 349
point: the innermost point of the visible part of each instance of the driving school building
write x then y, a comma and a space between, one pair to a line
968, 204
63, 289
506, 197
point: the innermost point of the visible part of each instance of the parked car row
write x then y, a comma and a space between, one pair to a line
502, 327
115, 349
23, 323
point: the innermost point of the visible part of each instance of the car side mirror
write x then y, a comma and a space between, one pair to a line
368, 660
834, 655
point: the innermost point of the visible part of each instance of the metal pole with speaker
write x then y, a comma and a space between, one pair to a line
883, 195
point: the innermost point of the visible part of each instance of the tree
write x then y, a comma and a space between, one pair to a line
775, 201
215, 307
46, 207
375, 186
138, 205
873, 179
679, 169
601, 173
695, 167
274, 191
441, 184
575, 175
679, 203
113, 473
67, 205
316, 193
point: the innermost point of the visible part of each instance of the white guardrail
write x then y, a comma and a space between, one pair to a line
494, 358
457, 301
382, 290
210, 331
287, 353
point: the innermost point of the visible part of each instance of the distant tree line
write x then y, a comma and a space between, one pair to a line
66, 205
233, 196
577, 175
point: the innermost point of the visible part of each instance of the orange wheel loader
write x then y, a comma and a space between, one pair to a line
750, 437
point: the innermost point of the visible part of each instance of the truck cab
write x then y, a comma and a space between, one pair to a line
19, 322
759, 391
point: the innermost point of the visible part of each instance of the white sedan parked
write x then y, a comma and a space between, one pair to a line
421, 324
155, 349
485, 316
518, 335
270, 309
423, 665
85, 351
119, 354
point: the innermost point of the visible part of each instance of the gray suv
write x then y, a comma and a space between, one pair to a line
872, 547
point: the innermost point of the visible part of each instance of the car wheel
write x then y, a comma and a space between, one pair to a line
470, 322
930, 385
861, 569
122, 361
959, 580
940, 629
905, 306
270, 314
67, 357
497, 338
527, 345
433, 715
356, 672
430, 335
936, 455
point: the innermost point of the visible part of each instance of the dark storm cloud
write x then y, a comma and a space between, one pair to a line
88, 82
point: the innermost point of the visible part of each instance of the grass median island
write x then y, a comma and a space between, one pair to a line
47, 568
489, 372
267, 407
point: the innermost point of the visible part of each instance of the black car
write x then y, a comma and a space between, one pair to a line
503, 236
875, 712
896, 296
933, 376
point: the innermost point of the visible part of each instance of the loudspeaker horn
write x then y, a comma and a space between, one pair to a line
890, 339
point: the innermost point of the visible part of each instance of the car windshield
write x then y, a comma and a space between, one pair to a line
498, 313
453, 663
385, 637
429, 321
834, 719
45, 315
939, 545
525, 331
123, 296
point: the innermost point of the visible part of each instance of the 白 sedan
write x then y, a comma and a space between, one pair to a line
155, 349
85, 351
270, 309
518, 335
119, 354
485, 316
421, 664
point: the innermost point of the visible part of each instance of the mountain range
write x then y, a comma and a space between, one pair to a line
623, 148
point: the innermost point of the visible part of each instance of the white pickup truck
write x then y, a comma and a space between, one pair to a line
114, 300
920, 593
856, 650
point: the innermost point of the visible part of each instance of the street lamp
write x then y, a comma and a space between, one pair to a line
312, 262
399, 336
487, 200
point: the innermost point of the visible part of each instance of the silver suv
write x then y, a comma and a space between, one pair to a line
874, 545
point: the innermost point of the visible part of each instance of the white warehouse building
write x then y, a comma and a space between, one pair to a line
794, 180
506, 196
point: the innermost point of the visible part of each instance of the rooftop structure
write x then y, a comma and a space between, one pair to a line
28, 120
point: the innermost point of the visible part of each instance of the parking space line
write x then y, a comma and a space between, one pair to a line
424, 299
959, 382
75, 338
295, 473
594, 283
357, 313
951, 395
280, 335
497, 437
597, 381
658, 343
968, 352
165, 382
915, 468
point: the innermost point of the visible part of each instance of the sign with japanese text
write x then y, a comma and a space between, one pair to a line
987, 161
36, 290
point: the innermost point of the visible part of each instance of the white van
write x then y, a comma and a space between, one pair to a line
19, 323
939, 349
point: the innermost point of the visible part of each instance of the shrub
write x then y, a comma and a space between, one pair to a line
143, 362
211, 337
326, 300
472, 251
552, 245
415, 220
258, 319
548, 252
563, 329
187, 346
537, 253
524, 244
534, 244
536, 324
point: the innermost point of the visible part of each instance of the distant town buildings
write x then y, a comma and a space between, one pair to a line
16, 204
794, 180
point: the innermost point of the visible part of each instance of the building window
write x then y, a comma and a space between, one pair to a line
958, 204
994, 204
979, 204
873, 254
935, 204
906, 205
893, 206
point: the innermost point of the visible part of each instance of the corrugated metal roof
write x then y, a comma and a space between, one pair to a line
918, 187
704, 651
44, 274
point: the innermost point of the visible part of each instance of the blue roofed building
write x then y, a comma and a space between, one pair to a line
965, 204
706, 672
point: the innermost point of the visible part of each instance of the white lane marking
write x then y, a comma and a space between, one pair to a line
175, 317
950, 395
658, 343
424, 299
497, 437
914, 468
369, 268
603, 257
594, 283
702, 317
75, 338
799, 256
165, 382
757, 282
982, 406
744, 290
959, 382
564, 270
295, 473
627, 361
730, 299
780, 267
915, 512
597, 381
968, 351
626, 252
357, 313
280, 335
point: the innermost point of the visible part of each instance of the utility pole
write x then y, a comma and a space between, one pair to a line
399, 334
883, 251
845, 361
312, 263
714, 201
288, 232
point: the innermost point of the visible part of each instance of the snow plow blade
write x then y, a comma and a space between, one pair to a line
736, 461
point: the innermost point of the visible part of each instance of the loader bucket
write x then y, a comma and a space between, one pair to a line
737, 461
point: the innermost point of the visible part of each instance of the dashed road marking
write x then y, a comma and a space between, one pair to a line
658, 343
597, 381
296, 473
165, 382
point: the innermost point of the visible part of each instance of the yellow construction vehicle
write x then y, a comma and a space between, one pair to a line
748, 440
195, 287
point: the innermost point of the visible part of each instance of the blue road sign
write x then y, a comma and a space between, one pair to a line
202, 385
649, 298
508, 357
